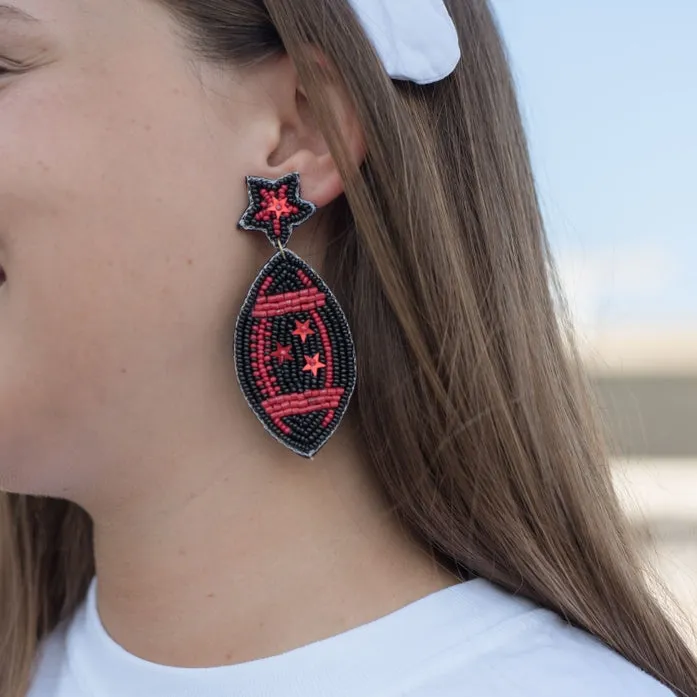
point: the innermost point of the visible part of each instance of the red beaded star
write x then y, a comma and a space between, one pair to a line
313, 364
282, 353
302, 329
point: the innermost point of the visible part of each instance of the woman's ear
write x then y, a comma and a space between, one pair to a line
301, 146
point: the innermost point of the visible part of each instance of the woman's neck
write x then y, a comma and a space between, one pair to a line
252, 556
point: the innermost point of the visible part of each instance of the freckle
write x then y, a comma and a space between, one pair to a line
228, 656
148, 127
182, 552
190, 262
124, 371
211, 595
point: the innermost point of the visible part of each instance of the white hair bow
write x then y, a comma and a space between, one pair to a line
415, 39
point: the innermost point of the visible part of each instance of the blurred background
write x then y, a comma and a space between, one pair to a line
609, 96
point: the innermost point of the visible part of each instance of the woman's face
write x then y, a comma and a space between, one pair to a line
122, 164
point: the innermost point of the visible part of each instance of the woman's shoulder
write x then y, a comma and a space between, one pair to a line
526, 651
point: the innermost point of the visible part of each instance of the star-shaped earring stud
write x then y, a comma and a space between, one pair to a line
276, 207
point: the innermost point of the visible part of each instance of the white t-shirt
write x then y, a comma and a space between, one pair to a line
470, 640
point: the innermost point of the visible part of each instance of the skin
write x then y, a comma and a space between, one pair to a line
122, 164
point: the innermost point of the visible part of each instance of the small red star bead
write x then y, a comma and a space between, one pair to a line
302, 329
282, 354
313, 364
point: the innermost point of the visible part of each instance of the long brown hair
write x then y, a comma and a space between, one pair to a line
471, 405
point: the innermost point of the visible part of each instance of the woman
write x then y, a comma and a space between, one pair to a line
456, 531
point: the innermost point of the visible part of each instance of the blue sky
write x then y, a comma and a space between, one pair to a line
609, 93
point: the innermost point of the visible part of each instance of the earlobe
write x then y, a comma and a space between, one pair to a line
321, 180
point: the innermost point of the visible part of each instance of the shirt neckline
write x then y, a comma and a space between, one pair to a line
366, 660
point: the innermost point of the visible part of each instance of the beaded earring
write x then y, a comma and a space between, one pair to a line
294, 353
